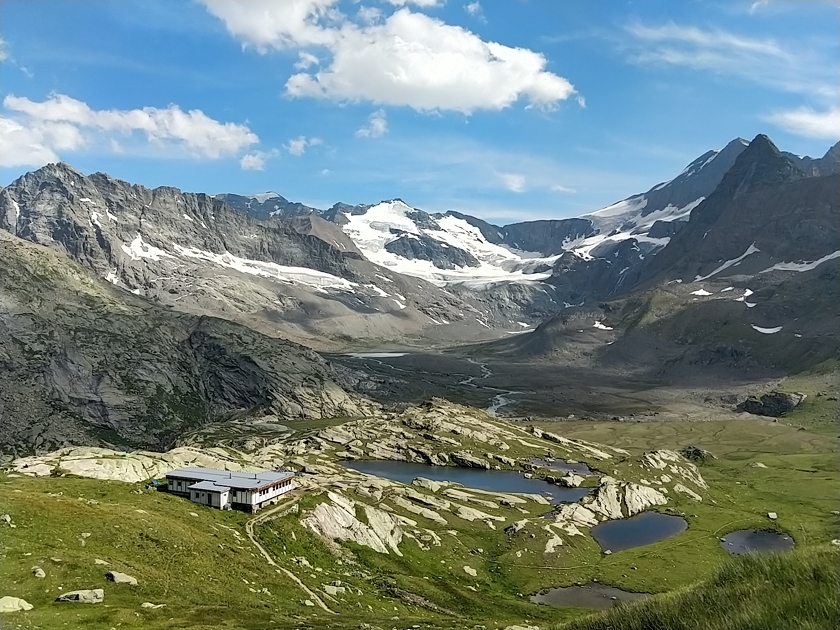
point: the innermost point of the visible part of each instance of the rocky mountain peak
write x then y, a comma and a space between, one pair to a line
761, 164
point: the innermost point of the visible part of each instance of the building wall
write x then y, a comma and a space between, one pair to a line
211, 499
274, 492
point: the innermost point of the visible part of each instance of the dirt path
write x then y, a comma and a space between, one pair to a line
265, 516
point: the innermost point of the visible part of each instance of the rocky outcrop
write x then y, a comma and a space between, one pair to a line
619, 499
773, 404
337, 520
467, 460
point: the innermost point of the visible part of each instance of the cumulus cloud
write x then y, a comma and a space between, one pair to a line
376, 127
255, 161
407, 59
297, 146
38, 130
514, 182
805, 121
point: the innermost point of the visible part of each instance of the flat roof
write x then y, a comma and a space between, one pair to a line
231, 479
209, 486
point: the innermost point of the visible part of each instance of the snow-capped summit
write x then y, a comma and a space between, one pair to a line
440, 248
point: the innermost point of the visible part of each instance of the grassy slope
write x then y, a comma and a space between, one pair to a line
178, 560
777, 592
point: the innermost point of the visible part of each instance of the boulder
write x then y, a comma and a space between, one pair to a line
38, 572
85, 596
570, 480
330, 589
470, 571
121, 578
151, 606
773, 404
468, 461
13, 604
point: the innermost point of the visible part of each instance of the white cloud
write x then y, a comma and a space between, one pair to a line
3, 54
268, 24
24, 146
377, 126
808, 122
297, 146
40, 130
369, 15
255, 161
475, 10
514, 182
409, 59
419, 3
306, 60
561, 189
803, 67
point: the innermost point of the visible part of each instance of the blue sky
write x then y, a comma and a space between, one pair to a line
505, 109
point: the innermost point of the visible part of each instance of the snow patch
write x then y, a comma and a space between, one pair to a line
138, 249
189, 218
263, 197
293, 275
700, 292
766, 331
94, 219
752, 249
803, 266
601, 326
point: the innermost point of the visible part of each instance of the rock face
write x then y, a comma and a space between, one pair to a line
13, 604
773, 404
90, 359
337, 520
121, 578
294, 276
618, 499
86, 596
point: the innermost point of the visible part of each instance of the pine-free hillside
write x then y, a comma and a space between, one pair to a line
85, 363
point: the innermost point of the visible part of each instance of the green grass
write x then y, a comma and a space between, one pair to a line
795, 590
199, 567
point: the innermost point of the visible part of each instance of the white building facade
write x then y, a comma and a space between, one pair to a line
226, 490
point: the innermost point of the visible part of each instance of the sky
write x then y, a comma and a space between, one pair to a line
509, 110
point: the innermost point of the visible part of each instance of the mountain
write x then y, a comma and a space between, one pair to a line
549, 262
85, 363
749, 285
300, 278
765, 211
829, 164
265, 205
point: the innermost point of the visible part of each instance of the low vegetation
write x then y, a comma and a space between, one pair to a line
775, 592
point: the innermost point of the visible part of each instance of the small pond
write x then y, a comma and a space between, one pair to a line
591, 596
642, 529
746, 541
492, 480
579, 468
